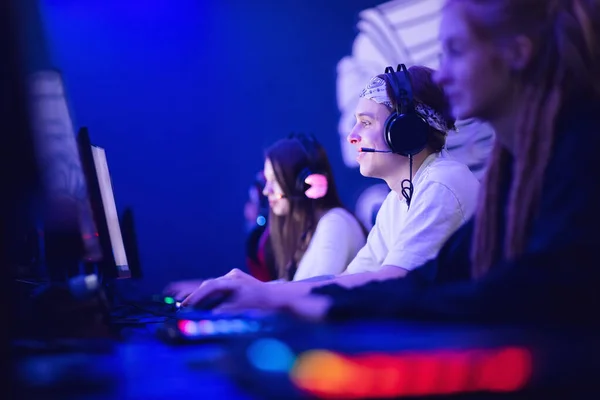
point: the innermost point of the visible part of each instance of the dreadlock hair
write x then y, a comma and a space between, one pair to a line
565, 63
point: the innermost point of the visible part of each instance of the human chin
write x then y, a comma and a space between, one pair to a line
280, 207
366, 170
277, 211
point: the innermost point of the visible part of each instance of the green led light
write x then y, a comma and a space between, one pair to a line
169, 300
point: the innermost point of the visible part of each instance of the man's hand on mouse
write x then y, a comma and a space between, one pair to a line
181, 289
246, 292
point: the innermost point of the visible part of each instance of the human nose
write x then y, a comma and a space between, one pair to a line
353, 136
267, 189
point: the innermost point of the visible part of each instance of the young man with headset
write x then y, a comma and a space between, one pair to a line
400, 139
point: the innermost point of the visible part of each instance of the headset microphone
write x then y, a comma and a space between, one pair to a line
370, 150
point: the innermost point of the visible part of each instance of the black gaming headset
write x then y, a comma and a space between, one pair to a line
406, 132
309, 145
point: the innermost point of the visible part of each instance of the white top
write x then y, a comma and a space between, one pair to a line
444, 197
335, 242
471, 144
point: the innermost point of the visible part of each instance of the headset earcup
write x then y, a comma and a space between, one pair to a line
389, 132
406, 134
302, 186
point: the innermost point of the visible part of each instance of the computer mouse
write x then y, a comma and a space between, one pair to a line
213, 301
210, 302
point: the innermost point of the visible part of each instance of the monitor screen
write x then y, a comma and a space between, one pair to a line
110, 211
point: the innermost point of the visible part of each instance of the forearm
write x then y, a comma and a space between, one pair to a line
362, 278
305, 286
282, 294
380, 287
320, 278
536, 288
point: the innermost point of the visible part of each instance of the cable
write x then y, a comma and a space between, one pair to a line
407, 185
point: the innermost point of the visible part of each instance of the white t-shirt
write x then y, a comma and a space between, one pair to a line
335, 242
444, 197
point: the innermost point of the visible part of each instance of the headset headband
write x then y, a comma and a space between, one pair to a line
403, 96
309, 144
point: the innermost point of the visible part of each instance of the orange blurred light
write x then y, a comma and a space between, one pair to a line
331, 375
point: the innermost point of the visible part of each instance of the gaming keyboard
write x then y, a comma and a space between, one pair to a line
197, 326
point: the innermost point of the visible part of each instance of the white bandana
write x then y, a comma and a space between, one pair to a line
376, 91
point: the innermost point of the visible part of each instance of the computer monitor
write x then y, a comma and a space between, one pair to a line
131, 243
114, 263
70, 232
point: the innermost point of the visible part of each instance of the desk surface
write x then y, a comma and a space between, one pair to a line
140, 367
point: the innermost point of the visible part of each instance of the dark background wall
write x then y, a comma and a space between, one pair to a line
185, 95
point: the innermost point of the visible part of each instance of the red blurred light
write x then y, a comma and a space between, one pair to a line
188, 328
331, 375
